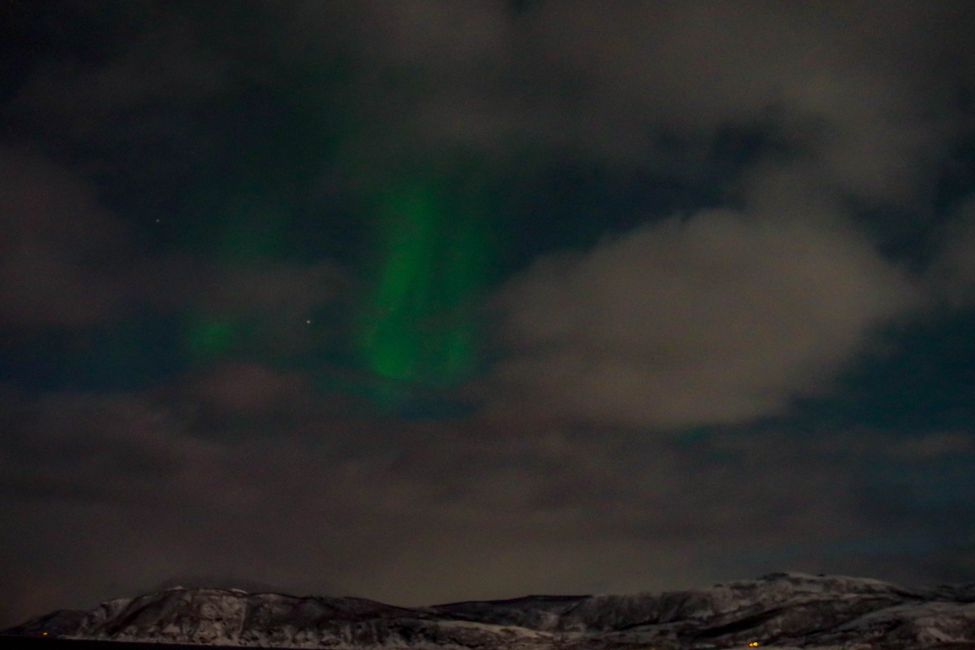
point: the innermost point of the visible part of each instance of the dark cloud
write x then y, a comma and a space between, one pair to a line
280, 303
149, 60
62, 252
248, 388
866, 91
132, 493
952, 275
70, 262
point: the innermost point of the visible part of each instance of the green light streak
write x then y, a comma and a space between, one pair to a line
432, 262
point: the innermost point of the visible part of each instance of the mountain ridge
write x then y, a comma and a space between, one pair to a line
778, 610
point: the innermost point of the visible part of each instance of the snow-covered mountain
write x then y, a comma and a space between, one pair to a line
782, 610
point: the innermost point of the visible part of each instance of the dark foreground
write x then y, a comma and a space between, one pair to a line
30, 643
33, 643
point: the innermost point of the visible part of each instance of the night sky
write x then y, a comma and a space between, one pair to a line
429, 301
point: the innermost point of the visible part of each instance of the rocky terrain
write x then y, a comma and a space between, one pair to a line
783, 610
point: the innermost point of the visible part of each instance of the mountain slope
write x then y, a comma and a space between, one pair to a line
784, 610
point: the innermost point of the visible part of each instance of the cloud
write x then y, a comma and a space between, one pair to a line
248, 388
148, 57
62, 253
952, 274
718, 318
67, 261
364, 502
864, 90
287, 289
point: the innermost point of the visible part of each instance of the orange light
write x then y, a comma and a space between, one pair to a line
43, 633
754, 644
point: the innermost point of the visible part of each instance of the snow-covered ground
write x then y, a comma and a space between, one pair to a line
783, 610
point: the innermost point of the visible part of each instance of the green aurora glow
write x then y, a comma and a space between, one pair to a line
432, 263
210, 337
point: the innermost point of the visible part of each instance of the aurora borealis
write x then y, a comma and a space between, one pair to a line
437, 300
432, 266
